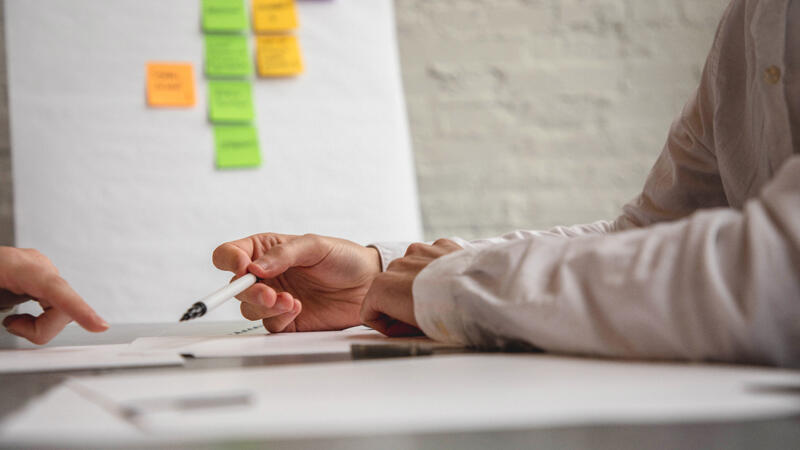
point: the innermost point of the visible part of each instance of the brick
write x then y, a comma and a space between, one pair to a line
654, 13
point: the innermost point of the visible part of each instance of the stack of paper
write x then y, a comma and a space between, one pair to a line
83, 357
253, 344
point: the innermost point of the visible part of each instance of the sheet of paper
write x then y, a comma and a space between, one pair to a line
263, 344
448, 394
83, 357
227, 56
230, 101
278, 56
170, 84
125, 333
224, 15
236, 146
271, 16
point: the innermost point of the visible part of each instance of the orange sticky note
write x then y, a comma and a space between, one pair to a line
170, 84
278, 56
274, 15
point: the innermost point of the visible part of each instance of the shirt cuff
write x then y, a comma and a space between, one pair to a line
435, 306
389, 251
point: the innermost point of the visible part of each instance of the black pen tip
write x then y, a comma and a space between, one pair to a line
197, 310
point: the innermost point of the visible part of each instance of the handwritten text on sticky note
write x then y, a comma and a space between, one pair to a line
224, 16
230, 101
170, 84
236, 146
278, 56
227, 56
271, 16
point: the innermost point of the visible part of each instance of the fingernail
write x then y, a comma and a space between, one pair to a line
102, 322
263, 264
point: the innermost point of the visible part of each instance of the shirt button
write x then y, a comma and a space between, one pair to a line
772, 75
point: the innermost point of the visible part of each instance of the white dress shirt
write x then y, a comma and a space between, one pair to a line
704, 264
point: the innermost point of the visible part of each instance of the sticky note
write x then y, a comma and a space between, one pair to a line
227, 56
278, 56
170, 84
236, 146
224, 16
270, 16
230, 101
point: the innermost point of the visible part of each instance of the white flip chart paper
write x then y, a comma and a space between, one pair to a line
126, 200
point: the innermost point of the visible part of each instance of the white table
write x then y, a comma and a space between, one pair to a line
709, 432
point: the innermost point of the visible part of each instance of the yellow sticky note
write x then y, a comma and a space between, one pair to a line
278, 56
170, 84
270, 16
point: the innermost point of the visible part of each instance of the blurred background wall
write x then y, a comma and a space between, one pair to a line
6, 195
533, 113
527, 113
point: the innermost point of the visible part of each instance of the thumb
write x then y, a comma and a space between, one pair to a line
230, 257
303, 251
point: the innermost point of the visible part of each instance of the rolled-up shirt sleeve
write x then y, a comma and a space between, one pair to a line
721, 284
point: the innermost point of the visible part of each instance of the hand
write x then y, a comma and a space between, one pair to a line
26, 274
309, 282
389, 304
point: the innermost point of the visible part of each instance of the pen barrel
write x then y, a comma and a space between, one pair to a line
228, 292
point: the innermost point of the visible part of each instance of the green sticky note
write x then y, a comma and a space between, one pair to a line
230, 101
224, 16
227, 56
236, 146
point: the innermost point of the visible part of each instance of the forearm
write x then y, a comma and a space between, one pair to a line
719, 285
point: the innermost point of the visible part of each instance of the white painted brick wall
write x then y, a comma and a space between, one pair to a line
533, 113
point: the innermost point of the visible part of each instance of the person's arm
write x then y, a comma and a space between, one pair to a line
26, 274
720, 285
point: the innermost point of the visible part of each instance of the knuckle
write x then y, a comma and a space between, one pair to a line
271, 326
391, 266
402, 264
271, 240
32, 252
443, 242
312, 237
416, 248
51, 285
248, 313
39, 339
